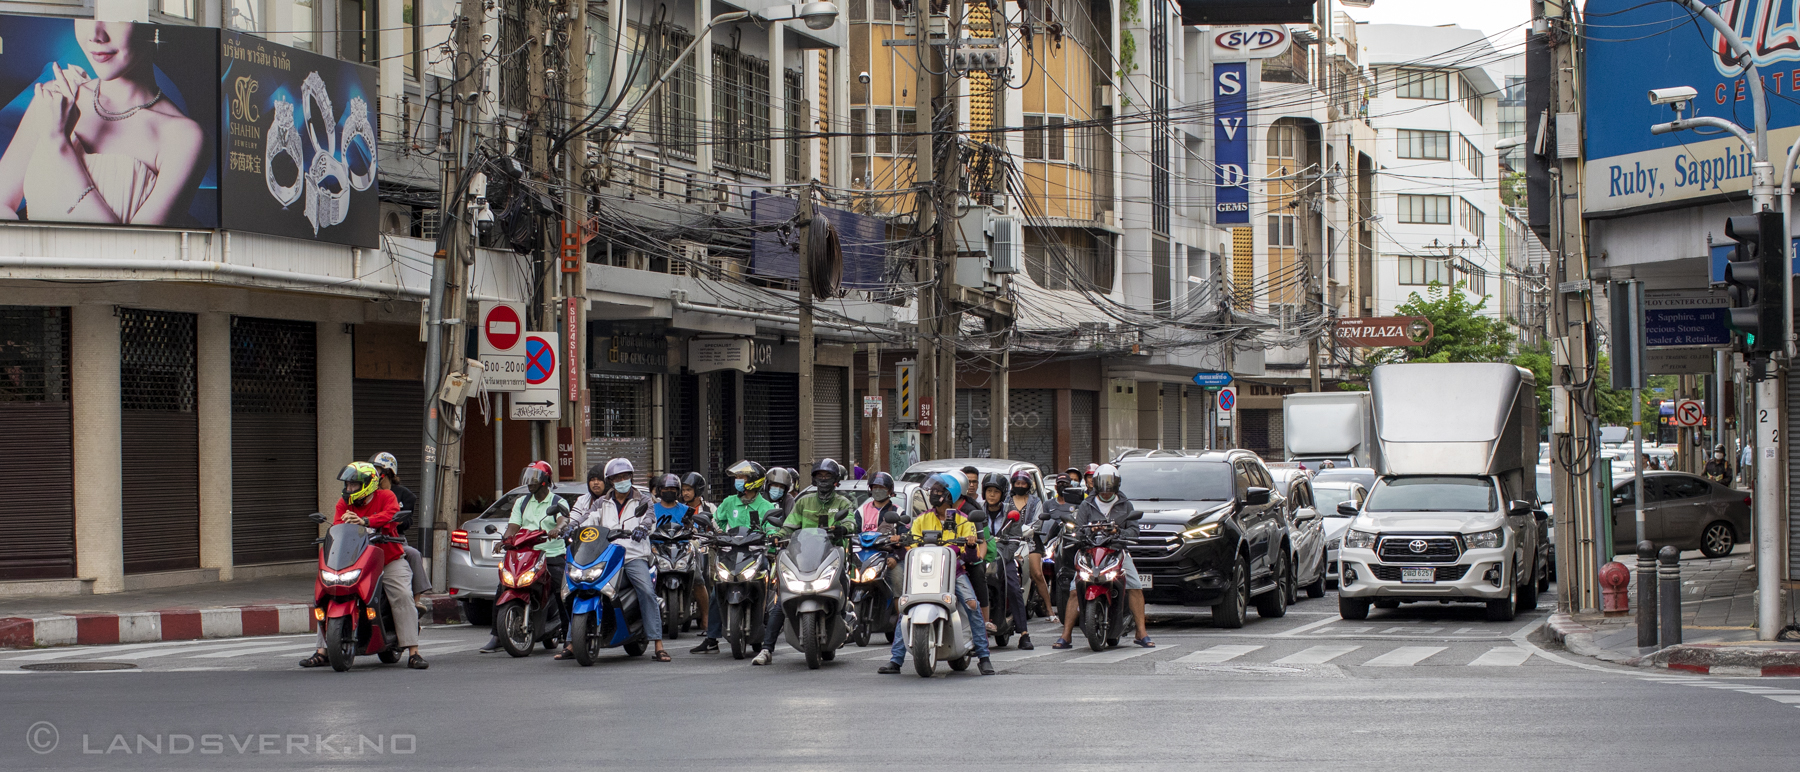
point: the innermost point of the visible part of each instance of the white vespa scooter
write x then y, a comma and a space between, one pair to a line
935, 627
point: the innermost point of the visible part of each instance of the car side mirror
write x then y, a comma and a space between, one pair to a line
1256, 497
1347, 508
1518, 508
318, 517
1306, 515
1618, 501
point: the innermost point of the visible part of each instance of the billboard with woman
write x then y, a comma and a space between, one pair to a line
108, 122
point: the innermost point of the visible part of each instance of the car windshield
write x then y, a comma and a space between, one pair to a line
1160, 480
1432, 494
1363, 476
1329, 498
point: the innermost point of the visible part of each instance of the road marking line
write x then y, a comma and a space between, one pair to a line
1016, 655
1405, 656
99, 650
1785, 699
1502, 656
1217, 654
1464, 631
1350, 630
1317, 655
1308, 626
265, 649
1116, 655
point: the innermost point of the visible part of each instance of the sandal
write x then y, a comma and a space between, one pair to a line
1144, 642
316, 660
564, 654
662, 656
1062, 643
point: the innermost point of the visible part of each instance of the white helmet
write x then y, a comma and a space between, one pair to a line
619, 466
1106, 480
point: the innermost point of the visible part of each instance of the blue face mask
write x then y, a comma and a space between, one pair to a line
775, 493
622, 486
739, 482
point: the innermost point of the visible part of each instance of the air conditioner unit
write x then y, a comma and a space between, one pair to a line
1008, 245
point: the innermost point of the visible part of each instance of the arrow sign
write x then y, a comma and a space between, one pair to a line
1212, 379
545, 403
1689, 412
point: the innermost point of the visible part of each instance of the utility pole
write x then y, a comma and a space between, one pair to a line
537, 171
442, 492
575, 205
807, 352
944, 114
874, 456
925, 87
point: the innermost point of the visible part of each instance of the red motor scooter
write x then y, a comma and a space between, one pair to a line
526, 597
348, 599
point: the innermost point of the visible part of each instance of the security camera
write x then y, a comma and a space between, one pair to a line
1672, 96
863, 77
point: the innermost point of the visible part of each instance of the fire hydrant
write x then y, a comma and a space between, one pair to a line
1615, 600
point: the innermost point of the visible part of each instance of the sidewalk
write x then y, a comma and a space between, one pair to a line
1718, 625
274, 605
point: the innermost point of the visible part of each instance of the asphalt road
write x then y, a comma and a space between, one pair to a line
1417, 687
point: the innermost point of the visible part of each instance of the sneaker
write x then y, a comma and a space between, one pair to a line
763, 657
708, 646
890, 668
1025, 643
492, 646
987, 668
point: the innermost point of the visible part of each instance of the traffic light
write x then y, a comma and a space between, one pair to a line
1758, 266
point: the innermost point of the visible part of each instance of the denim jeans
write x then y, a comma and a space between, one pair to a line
638, 573
965, 594
715, 617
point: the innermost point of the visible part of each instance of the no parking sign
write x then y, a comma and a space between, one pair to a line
541, 399
1227, 404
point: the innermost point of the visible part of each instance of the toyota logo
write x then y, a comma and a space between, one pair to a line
1417, 546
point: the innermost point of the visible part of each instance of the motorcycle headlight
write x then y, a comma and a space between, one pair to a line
507, 578
1087, 575
662, 564
792, 584
750, 572
722, 573
586, 575
526, 578
870, 573
1358, 540
681, 564
1203, 532
611, 588
1486, 540
343, 578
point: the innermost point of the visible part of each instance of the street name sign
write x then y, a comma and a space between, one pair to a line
1212, 380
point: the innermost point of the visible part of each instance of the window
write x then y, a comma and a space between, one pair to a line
1472, 158
1281, 230
1428, 145
1419, 271
1477, 277
741, 111
1471, 97
1053, 137
1473, 220
796, 124
891, 133
183, 9
1421, 84
1424, 210
673, 110
1284, 141
1046, 138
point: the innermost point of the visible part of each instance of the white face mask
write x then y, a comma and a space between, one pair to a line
622, 486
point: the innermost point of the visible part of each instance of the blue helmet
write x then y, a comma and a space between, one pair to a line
949, 483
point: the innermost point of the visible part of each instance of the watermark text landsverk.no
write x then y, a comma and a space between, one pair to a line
43, 738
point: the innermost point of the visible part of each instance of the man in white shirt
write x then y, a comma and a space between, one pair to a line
628, 514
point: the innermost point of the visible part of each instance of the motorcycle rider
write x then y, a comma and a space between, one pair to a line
941, 490
1110, 506
626, 510
365, 503
1716, 469
1024, 500
539, 509
748, 509
1005, 520
389, 467
823, 507
1069, 495
671, 510
693, 493
881, 501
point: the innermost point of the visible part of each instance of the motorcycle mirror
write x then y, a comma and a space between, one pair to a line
1013, 515
318, 517
892, 517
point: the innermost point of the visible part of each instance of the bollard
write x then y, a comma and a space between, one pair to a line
1646, 594
1668, 575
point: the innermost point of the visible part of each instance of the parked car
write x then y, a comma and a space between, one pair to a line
917, 473
1683, 510
1307, 526
474, 570
1547, 500
1214, 532
1327, 495
1361, 475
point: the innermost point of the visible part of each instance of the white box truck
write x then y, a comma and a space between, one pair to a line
1335, 426
1455, 515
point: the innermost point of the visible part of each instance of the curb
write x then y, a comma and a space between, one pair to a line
1699, 658
181, 624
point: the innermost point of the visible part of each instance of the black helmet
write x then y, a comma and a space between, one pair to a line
777, 483
996, 481
882, 480
826, 474
697, 481
668, 488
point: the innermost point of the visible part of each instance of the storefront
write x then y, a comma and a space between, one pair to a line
37, 477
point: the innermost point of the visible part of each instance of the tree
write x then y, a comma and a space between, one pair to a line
1460, 333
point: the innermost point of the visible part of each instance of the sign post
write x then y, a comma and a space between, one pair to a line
502, 350
540, 400
1227, 405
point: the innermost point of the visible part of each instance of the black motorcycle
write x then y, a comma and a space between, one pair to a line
740, 582
874, 585
677, 572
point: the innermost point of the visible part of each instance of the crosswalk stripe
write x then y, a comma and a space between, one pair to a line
1217, 654
1502, 656
1115, 655
1015, 655
1405, 656
1785, 699
1317, 655
99, 650
293, 646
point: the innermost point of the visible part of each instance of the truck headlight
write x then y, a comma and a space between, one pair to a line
1486, 540
1358, 540
1202, 532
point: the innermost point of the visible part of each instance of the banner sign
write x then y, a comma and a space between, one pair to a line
1265, 42
1382, 331
299, 152
708, 354
1686, 318
1231, 144
138, 104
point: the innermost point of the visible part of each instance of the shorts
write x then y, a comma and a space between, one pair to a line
1132, 582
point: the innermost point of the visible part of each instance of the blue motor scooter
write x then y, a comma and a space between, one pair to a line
604, 608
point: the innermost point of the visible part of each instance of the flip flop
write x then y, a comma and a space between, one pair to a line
564, 654
1145, 642
1062, 643
662, 656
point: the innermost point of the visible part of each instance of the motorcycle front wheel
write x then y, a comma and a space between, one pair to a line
924, 651
671, 603
584, 640
737, 629
340, 643
514, 624
1093, 623
808, 632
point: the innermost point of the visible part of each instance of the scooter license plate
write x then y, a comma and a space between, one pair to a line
1418, 575
1146, 580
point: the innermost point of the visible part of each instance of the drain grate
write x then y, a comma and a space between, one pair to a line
76, 667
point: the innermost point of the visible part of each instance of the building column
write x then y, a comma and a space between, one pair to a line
778, 148
1063, 448
1118, 417
1149, 415
95, 412
337, 414
213, 341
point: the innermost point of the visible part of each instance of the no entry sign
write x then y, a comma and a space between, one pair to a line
501, 350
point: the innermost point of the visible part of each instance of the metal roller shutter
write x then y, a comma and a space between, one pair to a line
1084, 411
684, 420
160, 447
1793, 466
390, 419
1197, 402
1256, 431
620, 421
772, 419
828, 414
973, 438
721, 397
37, 494
274, 439
1171, 415
1031, 435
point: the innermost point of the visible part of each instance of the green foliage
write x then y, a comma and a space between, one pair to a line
1460, 333
1131, 11
1127, 53
1613, 405
1512, 189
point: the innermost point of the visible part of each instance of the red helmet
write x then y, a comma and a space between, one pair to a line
537, 474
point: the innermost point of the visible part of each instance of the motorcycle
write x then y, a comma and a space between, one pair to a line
1100, 583
348, 598
1036, 605
604, 609
811, 595
934, 624
524, 611
740, 581
678, 570
1013, 553
872, 586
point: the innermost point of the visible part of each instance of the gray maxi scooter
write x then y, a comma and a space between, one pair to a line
810, 588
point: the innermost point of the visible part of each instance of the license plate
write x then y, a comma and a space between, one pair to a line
1147, 580
494, 548
1418, 575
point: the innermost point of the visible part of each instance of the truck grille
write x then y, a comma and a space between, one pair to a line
1437, 549
1444, 573
1155, 545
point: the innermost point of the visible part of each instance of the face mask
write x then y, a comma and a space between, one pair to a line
940, 498
667, 496
775, 493
1720, 456
622, 486
1021, 491
879, 495
739, 484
